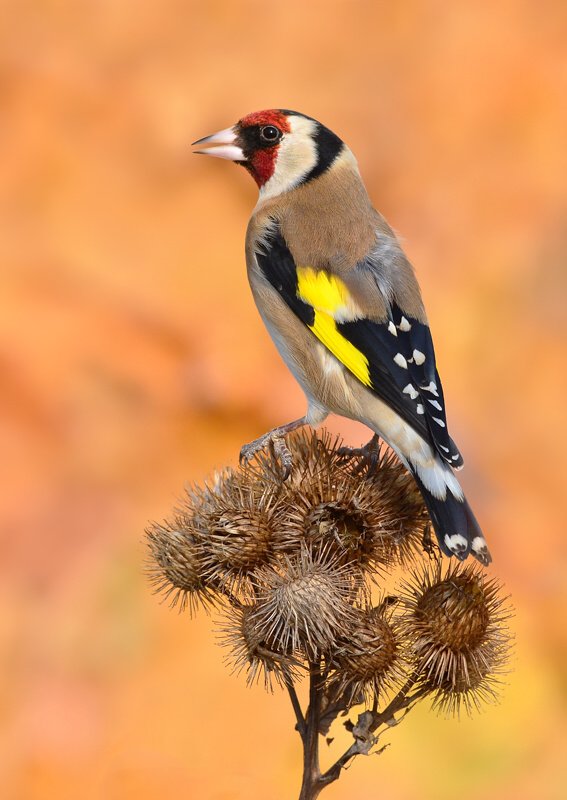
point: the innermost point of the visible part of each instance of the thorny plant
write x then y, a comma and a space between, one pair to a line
298, 570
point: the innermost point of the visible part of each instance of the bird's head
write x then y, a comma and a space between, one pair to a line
281, 149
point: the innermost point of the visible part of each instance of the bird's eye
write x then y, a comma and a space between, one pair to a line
269, 133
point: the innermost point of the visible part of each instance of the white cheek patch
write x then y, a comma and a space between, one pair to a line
296, 157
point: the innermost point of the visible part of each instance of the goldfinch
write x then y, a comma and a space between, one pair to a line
343, 306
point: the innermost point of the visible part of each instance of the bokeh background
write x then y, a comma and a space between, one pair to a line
133, 361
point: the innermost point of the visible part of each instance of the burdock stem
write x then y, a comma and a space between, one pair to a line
311, 785
300, 725
308, 727
402, 700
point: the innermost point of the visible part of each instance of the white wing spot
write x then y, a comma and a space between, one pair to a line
435, 404
439, 421
418, 356
404, 325
420, 409
400, 361
410, 389
432, 387
442, 446
455, 457
392, 328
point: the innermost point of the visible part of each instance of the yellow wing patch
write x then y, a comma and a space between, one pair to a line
329, 297
322, 291
325, 329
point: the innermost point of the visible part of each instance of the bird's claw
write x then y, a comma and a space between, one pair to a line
282, 455
368, 456
279, 448
248, 451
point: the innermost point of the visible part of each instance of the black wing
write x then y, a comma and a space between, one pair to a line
402, 361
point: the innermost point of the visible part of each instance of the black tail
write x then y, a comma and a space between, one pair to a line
456, 528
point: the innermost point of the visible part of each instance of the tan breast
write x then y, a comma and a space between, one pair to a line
329, 223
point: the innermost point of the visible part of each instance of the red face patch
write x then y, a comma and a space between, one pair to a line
261, 165
260, 156
269, 117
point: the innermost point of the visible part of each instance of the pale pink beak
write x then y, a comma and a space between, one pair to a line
224, 146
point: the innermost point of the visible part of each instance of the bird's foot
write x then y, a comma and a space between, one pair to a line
278, 446
275, 440
368, 456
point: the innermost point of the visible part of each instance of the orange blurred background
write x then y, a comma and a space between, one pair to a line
133, 360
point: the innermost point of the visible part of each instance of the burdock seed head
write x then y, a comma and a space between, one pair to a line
304, 602
175, 566
238, 514
222, 532
370, 519
454, 625
249, 651
366, 660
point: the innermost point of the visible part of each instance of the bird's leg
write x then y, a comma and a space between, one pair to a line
275, 439
368, 454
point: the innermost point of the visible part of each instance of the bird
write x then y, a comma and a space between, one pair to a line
343, 306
